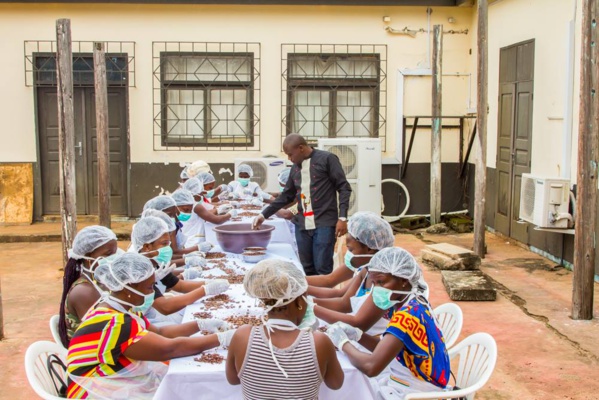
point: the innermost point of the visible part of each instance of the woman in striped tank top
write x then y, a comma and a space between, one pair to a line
282, 358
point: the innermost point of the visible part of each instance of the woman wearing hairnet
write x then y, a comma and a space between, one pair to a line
244, 189
412, 345
282, 358
116, 353
209, 184
150, 237
92, 246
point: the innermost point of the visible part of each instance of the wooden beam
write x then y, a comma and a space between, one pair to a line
66, 135
435, 199
103, 140
586, 179
1, 314
480, 177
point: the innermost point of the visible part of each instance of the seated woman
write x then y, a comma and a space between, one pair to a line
116, 353
367, 234
290, 211
209, 191
150, 237
201, 212
92, 245
412, 345
279, 359
244, 189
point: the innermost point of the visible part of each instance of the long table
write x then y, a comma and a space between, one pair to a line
189, 379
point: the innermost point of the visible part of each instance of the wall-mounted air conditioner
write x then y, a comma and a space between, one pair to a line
544, 201
266, 171
361, 160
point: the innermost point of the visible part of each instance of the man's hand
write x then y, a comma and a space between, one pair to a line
341, 228
257, 221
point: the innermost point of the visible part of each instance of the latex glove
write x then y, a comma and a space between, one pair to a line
337, 336
205, 246
256, 202
257, 221
213, 325
216, 286
191, 273
194, 260
224, 209
232, 213
266, 196
233, 196
223, 188
163, 271
352, 332
234, 204
224, 338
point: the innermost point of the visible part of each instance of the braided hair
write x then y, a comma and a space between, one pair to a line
72, 272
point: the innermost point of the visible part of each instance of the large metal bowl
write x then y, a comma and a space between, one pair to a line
233, 238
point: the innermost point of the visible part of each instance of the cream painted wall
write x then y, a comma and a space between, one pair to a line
514, 21
270, 26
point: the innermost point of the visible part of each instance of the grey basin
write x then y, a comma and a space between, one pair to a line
233, 238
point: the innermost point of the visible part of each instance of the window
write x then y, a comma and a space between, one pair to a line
207, 99
334, 93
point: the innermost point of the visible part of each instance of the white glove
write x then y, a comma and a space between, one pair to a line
213, 325
256, 202
205, 246
337, 336
352, 332
234, 204
233, 196
266, 196
194, 260
163, 271
224, 209
224, 338
217, 286
223, 188
257, 221
191, 273
232, 213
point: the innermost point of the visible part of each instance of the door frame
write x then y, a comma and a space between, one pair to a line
38, 215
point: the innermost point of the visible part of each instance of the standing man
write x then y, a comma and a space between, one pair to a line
315, 179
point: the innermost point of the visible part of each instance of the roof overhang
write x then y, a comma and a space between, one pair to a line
446, 3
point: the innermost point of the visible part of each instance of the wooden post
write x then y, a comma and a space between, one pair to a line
66, 135
480, 179
1, 315
101, 89
586, 188
435, 204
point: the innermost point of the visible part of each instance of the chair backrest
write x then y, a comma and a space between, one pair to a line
36, 359
54, 329
450, 319
477, 357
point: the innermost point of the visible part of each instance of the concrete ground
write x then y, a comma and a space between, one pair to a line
543, 354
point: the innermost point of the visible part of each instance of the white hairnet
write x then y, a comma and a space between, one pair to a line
277, 280
197, 167
397, 262
161, 202
194, 185
183, 197
206, 178
284, 175
183, 174
371, 230
162, 215
89, 239
245, 168
147, 230
125, 269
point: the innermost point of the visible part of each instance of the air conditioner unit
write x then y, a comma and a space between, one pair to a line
361, 160
266, 171
544, 201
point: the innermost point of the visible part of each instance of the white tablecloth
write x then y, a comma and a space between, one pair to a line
189, 379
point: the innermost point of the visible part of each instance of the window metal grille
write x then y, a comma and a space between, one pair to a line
334, 90
206, 96
40, 63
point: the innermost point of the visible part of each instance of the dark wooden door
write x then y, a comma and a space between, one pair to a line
514, 135
85, 150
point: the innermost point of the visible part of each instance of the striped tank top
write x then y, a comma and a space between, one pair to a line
261, 379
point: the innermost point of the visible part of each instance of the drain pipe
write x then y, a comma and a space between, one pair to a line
566, 170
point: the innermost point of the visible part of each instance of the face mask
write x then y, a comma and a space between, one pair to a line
184, 217
349, 256
382, 297
145, 306
209, 194
281, 188
244, 181
309, 318
164, 255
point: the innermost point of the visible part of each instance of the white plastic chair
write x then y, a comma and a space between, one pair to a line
450, 319
477, 357
37, 371
54, 329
